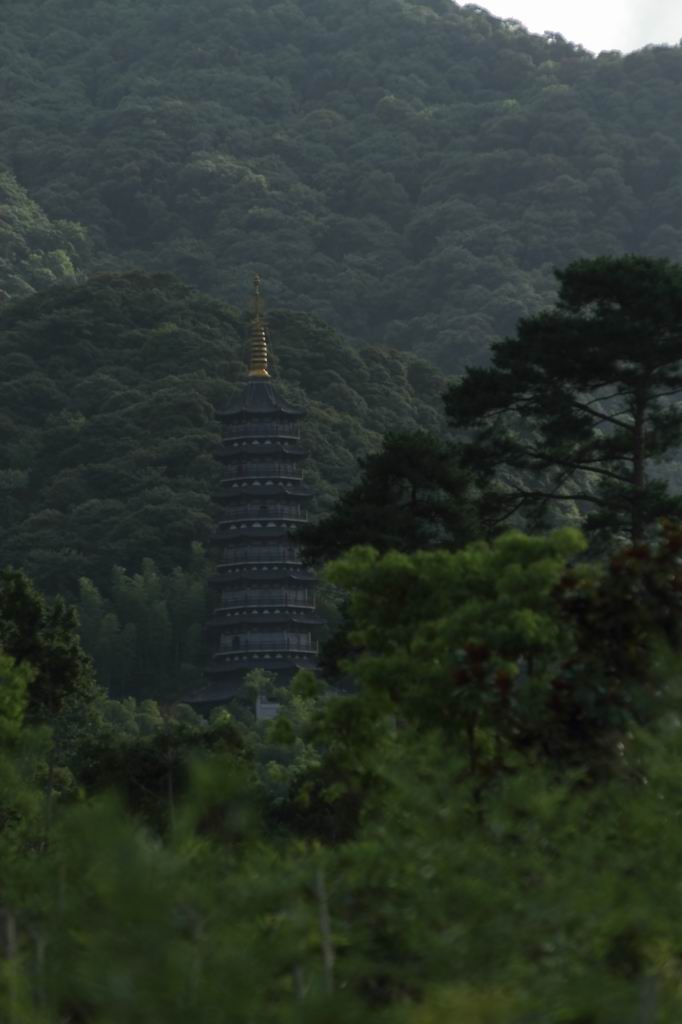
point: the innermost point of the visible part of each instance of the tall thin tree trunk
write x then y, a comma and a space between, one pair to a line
10, 945
328, 953
49, 794
647, 1010
171, 793
638, 467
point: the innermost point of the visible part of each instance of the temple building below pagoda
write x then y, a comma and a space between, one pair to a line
264, 613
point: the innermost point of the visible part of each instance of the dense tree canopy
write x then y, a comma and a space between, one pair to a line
509, 646
408, 170
412, 494
43, 638
144, 630
495, 814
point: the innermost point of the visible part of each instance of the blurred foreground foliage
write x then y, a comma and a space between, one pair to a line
486, 832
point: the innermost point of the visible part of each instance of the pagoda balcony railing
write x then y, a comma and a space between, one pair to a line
294, 513
261, 555
268, 470
285, 644
266, 600
235, 430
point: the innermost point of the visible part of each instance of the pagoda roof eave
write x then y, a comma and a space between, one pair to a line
272, 534
249, 618
238, 450
271, 663
258, 397
275, 490
248, 575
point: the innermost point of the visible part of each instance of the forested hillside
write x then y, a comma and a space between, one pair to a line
470, 813
409, 171
108, 434
34, 251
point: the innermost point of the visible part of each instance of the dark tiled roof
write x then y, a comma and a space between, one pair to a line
243, 620
245, 534
276, 489
238, 452
246, 574
259, 396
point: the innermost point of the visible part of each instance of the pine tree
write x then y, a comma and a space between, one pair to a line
580, 404
412, 494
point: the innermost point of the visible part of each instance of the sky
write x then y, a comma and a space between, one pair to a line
597, 24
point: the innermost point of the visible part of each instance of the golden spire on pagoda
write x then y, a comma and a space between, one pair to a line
258, 341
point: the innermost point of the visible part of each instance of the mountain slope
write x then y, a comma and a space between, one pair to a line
407, 170
107, 429
35, 252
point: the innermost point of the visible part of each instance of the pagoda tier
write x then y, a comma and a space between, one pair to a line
267, 527
237, 451
264, 610
240, 492
229, 617
268, 472
247, 513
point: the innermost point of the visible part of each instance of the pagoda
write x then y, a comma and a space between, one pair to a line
264, 610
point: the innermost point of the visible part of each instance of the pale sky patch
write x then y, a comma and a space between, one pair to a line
597, 24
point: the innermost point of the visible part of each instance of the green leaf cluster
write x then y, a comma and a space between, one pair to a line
514, 647
35, 252
42, 638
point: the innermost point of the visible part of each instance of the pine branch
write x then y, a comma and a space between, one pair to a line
604, 417
543, 461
